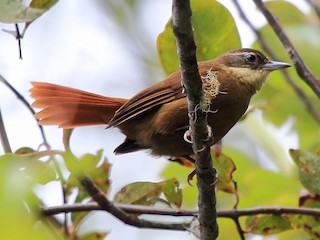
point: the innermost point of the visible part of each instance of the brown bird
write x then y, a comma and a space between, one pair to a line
157, 118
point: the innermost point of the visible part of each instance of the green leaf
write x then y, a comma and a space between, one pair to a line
225, 168
43, 4
18, 204
93, 236
90, 164
82, 195
148, 193
41, 172
267, 224
24, 150
32, 168
286, 12
309, 224
278, 93
72, 163
142, 193
100, 175
214, 30
259, 186
14, 11
181, 172
78, 218
172, 192
309, 169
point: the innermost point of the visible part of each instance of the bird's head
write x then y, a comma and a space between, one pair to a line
249, 66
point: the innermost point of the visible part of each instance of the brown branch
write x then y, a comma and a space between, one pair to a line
129, 209
264, 45
105, 204
98, 196
269, 210
139, 209
182, 28
25, 102
302, 70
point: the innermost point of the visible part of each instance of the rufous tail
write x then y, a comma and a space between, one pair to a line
69, 107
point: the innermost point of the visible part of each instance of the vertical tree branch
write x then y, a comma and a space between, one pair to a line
192, 83
302, 70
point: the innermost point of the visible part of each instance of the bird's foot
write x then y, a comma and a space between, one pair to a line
213, 182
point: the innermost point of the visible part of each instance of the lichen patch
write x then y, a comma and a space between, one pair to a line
210, 86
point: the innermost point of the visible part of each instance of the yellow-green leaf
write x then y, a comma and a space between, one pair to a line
267, 224
286, 12
309, 169
225, 168
42, 4
172, 192
309, 224
214, 30
142, 193
14, 11
283, 103
93, 236
24, 150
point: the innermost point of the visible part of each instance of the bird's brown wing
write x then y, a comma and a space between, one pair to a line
149, 99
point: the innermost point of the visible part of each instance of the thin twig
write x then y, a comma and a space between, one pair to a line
4, 137
315, 6
18, 37
182, 28
300, 93
312, 110
139, 209
64, 195
302, 70
236, 220
239, 228
235, 185
25, 102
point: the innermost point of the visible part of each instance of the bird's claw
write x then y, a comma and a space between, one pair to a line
187, 136
190, 177
214, 180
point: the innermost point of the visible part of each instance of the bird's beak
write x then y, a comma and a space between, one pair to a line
273, 65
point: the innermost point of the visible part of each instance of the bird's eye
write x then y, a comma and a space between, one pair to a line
251, 58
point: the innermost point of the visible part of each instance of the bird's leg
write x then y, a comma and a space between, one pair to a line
214, 182
181, 160
209, 141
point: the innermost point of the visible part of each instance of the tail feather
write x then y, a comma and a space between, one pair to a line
69, 107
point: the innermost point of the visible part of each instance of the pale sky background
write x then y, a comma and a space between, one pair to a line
79, 46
